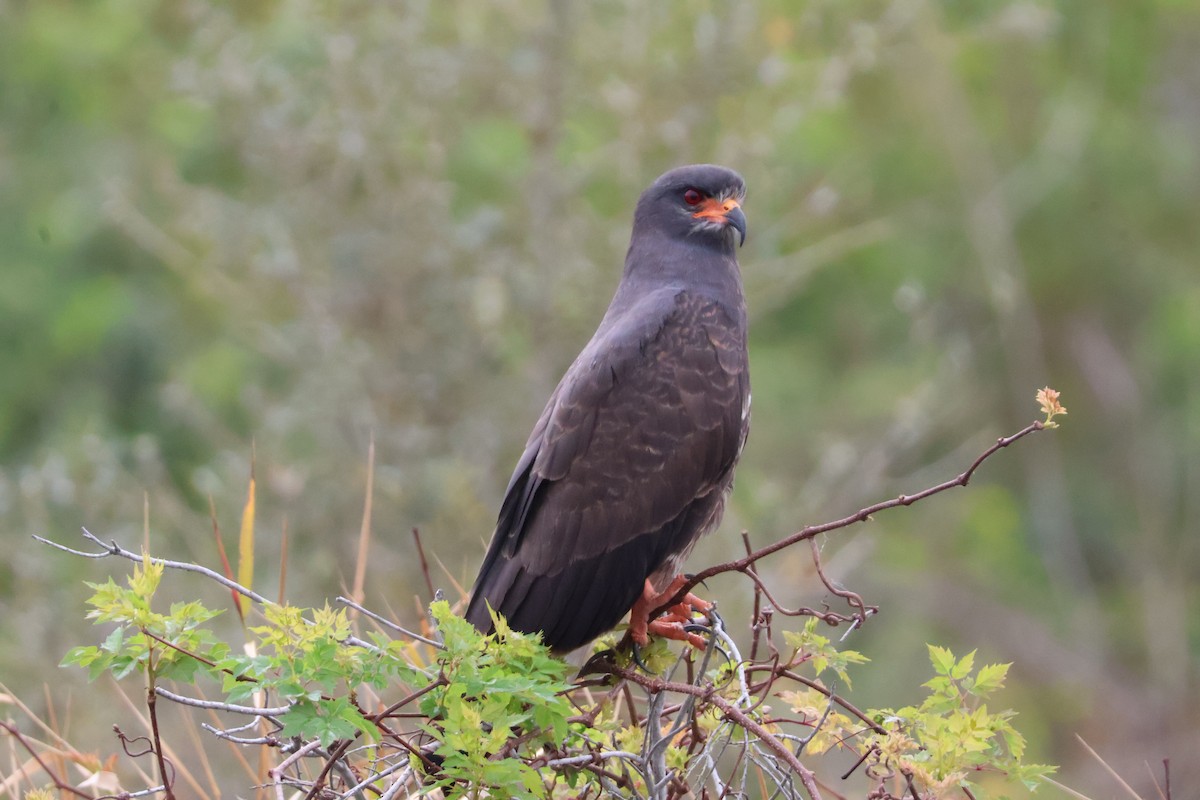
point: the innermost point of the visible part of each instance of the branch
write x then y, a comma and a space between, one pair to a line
152, 710
58, 783
114, 549
277, 711
835, 697
276, 773
743, 564
269, 741
346, 601
731, 713
591, 758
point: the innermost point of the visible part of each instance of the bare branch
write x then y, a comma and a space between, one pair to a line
58, 782
346, 601
732, 713
863, 514
114, 549
276, 711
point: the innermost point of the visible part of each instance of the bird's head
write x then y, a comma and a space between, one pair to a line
700, 200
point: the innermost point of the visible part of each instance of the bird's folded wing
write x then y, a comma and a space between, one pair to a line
647, 419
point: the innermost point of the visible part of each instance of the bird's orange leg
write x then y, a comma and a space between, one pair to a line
670, 624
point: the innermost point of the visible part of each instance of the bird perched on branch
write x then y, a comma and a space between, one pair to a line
632, 459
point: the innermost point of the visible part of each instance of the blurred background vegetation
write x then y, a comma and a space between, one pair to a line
306, 224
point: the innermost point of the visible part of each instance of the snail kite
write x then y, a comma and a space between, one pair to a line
631, 461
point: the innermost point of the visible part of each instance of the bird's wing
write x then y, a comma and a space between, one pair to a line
646, 425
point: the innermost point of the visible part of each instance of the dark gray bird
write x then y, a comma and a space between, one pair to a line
631, 461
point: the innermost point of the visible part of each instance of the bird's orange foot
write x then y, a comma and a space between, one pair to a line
672, 624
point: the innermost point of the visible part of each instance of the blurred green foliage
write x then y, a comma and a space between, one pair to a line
308, 224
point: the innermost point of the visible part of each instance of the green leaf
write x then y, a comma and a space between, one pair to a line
952, 734
93, 659
963, 668
1014, 741
990, 678
112, 643
941, 658
458, 635
239, 691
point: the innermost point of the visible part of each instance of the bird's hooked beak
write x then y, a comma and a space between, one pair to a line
727, 211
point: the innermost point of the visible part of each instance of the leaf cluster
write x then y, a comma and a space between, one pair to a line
821, 652
145, 640
497, 695
303, 660
498, 714
952, 735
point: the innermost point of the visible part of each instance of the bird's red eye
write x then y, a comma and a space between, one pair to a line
692, 197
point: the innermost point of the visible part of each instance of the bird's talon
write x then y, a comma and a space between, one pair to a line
636, 653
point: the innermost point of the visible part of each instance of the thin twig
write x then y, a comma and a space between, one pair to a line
1120, 781
334, 757
279, 769
346, 601
196, 656
756, 607
277, 711
269, 741
372, 778
875, 727
853, 599
58, 783
390, 710
592, 758
831, 618
114, 549
424, 564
